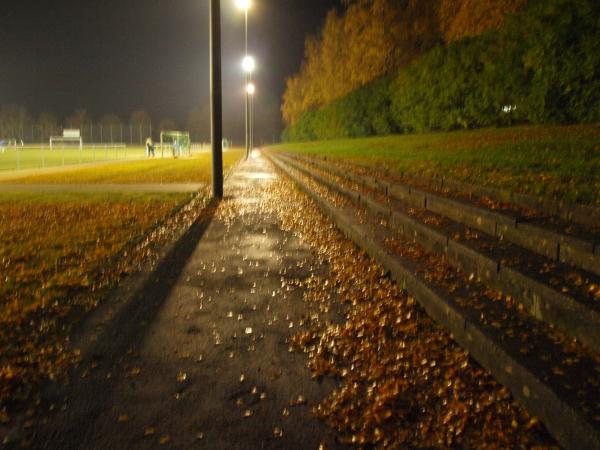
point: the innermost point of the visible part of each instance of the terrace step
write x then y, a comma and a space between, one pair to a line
586, 215
550, 237
492, 330
501, 264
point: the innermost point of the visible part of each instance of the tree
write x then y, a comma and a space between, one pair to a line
167, 125
140, 126
79, 119
468, 18
110, 127
48, 126
198, 123
140, 117
14, 120
110, 120
371, 39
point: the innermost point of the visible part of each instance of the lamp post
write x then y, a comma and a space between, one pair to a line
244, 5
248, 64
216, 119
250, 91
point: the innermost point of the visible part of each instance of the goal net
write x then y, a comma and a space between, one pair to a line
178, 142
71, 138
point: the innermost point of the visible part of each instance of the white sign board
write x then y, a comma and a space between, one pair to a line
71, 134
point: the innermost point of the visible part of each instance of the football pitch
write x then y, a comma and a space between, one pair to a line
21, 158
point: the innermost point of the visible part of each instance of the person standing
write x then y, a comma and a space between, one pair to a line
149, 148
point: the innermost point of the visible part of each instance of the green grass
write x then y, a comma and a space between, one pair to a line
551, 161
195, 169
34, 158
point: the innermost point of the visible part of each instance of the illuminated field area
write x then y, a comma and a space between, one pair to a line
37, 157
195, 169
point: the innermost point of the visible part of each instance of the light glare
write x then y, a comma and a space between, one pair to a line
250, 88
243, 4
248, 64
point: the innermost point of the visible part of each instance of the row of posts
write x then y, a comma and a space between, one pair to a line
92, 133
59, 156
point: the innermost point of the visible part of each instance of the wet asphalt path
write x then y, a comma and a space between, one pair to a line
198, 355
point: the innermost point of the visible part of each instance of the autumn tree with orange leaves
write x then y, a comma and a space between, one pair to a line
468, 18
372, 38
377, 37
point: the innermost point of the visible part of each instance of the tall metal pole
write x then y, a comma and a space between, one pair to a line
247, 94
251, 121
216, 121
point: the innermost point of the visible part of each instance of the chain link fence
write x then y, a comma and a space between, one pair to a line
92, 134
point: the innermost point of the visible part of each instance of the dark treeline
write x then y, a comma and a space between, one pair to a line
540, 65
16, 123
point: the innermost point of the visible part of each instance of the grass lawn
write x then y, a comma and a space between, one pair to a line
195, 169
53, 242
551, 161
55, 252
36, 157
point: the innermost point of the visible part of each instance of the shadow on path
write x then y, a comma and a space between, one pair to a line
89, 395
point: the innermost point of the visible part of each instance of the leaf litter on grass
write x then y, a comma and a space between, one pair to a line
58, 259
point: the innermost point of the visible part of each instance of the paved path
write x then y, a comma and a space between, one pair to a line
199, 358
99, 188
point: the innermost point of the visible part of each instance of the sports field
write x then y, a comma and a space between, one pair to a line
194, 169
553, 161
39, 157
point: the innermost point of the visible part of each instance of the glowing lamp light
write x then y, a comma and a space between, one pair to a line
250, 88
248, 64
243, 4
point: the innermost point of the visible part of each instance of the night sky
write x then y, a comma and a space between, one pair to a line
114, 56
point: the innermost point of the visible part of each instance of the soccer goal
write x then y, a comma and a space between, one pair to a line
178, 142
69, 137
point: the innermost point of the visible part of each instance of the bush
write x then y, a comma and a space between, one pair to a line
363, 112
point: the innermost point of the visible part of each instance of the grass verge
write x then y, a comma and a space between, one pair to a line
560, 162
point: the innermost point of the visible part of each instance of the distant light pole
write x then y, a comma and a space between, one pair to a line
250, 91
245, 5
216, 100
248, 64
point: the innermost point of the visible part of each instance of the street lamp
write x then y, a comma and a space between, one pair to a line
248, 65
250, 91
243, 4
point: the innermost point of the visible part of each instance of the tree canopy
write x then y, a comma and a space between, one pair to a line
373, 38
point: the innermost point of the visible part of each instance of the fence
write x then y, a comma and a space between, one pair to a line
91, 134
34, 157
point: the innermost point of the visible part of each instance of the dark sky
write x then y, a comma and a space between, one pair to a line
114, 56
